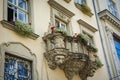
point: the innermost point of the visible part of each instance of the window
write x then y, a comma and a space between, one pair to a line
17, 68
112, 8
17, 10
60, 24
117, 46
81, 1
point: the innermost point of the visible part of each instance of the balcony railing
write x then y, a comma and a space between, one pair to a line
70, 54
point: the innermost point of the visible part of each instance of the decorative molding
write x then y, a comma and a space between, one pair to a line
80, 8
85, 24
67, 1
106, 15
60, 8
72, 61
20, 50
10, 26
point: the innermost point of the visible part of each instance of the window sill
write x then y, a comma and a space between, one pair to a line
10, 26
67, 1
80, 8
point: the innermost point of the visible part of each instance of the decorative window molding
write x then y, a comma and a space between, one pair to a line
86, 25
19, 50
82, 5
60, 8
10, 26
60, 13
106, 15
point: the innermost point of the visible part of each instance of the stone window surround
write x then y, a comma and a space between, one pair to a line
87, 26
30, 10
10, 26
14, 48
60, 12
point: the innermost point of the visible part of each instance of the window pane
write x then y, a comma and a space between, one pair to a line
62, 26
17, 68
117, 46
22, 4
57, 23
79, 1
12, 1
22, 16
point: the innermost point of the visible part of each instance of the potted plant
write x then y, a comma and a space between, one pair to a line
85, 38
85, 8
60, 30
22, 28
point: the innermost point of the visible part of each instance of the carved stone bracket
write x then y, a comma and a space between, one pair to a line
72, 62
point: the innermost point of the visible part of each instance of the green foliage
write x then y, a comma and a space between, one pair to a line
22, 28
85, 38
99, 64
85, 8
93, 48
61, 30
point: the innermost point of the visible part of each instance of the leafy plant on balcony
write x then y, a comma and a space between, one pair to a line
93, 48
61, 30
22, 28
85, 8
98, 62
85, 38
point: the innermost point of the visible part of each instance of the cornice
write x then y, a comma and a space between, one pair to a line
106, 15
88, 26
60, 8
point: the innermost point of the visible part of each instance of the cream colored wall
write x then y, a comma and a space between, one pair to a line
41, 19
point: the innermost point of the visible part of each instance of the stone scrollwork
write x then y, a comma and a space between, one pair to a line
70, 61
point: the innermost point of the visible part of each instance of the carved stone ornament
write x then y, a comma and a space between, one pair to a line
70, 62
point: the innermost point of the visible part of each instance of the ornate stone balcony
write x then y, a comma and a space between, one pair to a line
69, 54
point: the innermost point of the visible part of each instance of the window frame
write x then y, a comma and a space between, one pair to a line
11, 49
30, 11
17, 59
18, 10
60, 23
112, 7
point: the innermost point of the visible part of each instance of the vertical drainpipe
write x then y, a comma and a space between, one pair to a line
101, 37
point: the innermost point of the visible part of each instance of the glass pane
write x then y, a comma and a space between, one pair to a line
22, 4
117, 46
22, 16
57, 23
62, 26
79, 1
17, 68
12, 1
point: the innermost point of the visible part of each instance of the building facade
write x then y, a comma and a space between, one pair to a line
59, 40
109, 24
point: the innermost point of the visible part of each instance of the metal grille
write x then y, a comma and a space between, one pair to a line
17, 68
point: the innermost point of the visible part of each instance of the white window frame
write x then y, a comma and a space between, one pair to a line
19, 9
60, 23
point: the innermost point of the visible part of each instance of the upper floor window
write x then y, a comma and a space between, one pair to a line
117, 46
112, 8
81, 1
60, 24
17, 10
